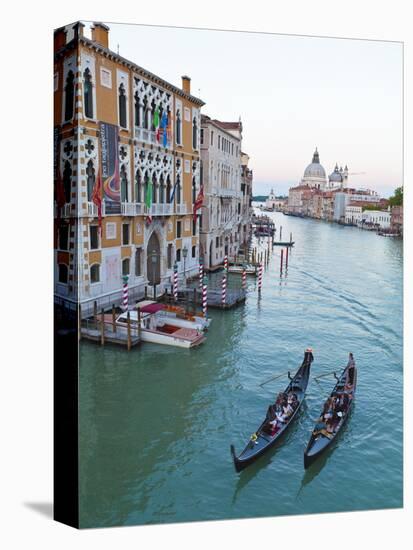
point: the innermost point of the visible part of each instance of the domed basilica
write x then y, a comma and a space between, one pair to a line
315, 176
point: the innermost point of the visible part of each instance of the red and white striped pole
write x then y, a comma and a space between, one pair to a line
125, 297
205, 296
224, 289
175, 283
244, 278
260, 277
201, 274
226, 263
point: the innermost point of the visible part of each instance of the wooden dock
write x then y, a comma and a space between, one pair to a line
103, 330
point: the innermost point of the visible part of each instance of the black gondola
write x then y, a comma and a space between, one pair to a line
264, 438
322, 437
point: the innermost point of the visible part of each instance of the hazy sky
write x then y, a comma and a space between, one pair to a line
292, 93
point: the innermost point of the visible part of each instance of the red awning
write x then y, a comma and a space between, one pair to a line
152, 308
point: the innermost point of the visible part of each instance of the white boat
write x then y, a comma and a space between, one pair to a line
174, 315
157, 331
239, 268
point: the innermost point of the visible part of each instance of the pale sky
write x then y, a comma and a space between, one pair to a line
292, 93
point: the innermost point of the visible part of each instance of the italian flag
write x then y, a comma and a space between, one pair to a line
148, 199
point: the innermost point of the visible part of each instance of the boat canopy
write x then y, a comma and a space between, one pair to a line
152, 308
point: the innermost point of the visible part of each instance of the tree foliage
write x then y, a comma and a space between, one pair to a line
397, 198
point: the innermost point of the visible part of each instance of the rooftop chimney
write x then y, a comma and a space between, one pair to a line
100, 34
186, 84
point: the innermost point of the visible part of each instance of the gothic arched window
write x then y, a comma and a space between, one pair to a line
161, 189
90, 173
123, 184
168, 189
69, 95
178, 127
178, 191
154, 188
145, 114
67, 180
88, 93
137, 110
138, 187
193, 190
63, 273
95, 273
194, 134
122, 107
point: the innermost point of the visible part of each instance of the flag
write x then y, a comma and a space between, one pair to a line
156, 117
173, 192
169, 128
97, 198
148, 198
199, 201
164, 126
60, 193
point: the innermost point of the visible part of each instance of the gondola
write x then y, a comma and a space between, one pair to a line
263, 439
321, 438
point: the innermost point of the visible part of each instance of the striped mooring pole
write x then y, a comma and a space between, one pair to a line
175, 283
205, 296
224, 289
201, 274
260, 277
244, 278
226, 263
125, 297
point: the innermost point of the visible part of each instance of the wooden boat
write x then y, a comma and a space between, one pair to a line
388, 234
157, 331
283, 243
266, 436
174, 315
322, 437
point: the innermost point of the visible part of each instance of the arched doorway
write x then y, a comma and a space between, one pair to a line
153, 260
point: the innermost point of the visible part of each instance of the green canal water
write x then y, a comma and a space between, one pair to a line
156, 423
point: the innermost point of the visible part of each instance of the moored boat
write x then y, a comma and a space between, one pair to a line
334, 415
238, 268
283, 243
277, 421
160, 330
174, 315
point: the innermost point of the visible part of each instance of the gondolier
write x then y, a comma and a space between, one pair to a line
265, 437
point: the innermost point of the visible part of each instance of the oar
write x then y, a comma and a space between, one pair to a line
273, 378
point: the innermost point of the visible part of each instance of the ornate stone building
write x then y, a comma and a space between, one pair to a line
132, 138
227, 182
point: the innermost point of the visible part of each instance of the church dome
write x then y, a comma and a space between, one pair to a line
315, 170
336, 176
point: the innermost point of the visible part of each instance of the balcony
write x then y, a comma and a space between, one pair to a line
65, 211
223, 192
128, 208
181, 209
149, 136
161, 209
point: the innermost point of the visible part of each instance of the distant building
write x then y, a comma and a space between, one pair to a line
314, 175
376, 219
275, 203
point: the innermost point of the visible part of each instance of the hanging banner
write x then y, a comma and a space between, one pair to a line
109, 161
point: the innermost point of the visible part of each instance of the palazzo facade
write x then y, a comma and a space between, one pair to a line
111, 114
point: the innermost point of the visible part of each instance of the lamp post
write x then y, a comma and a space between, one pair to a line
154, 259
184, 254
